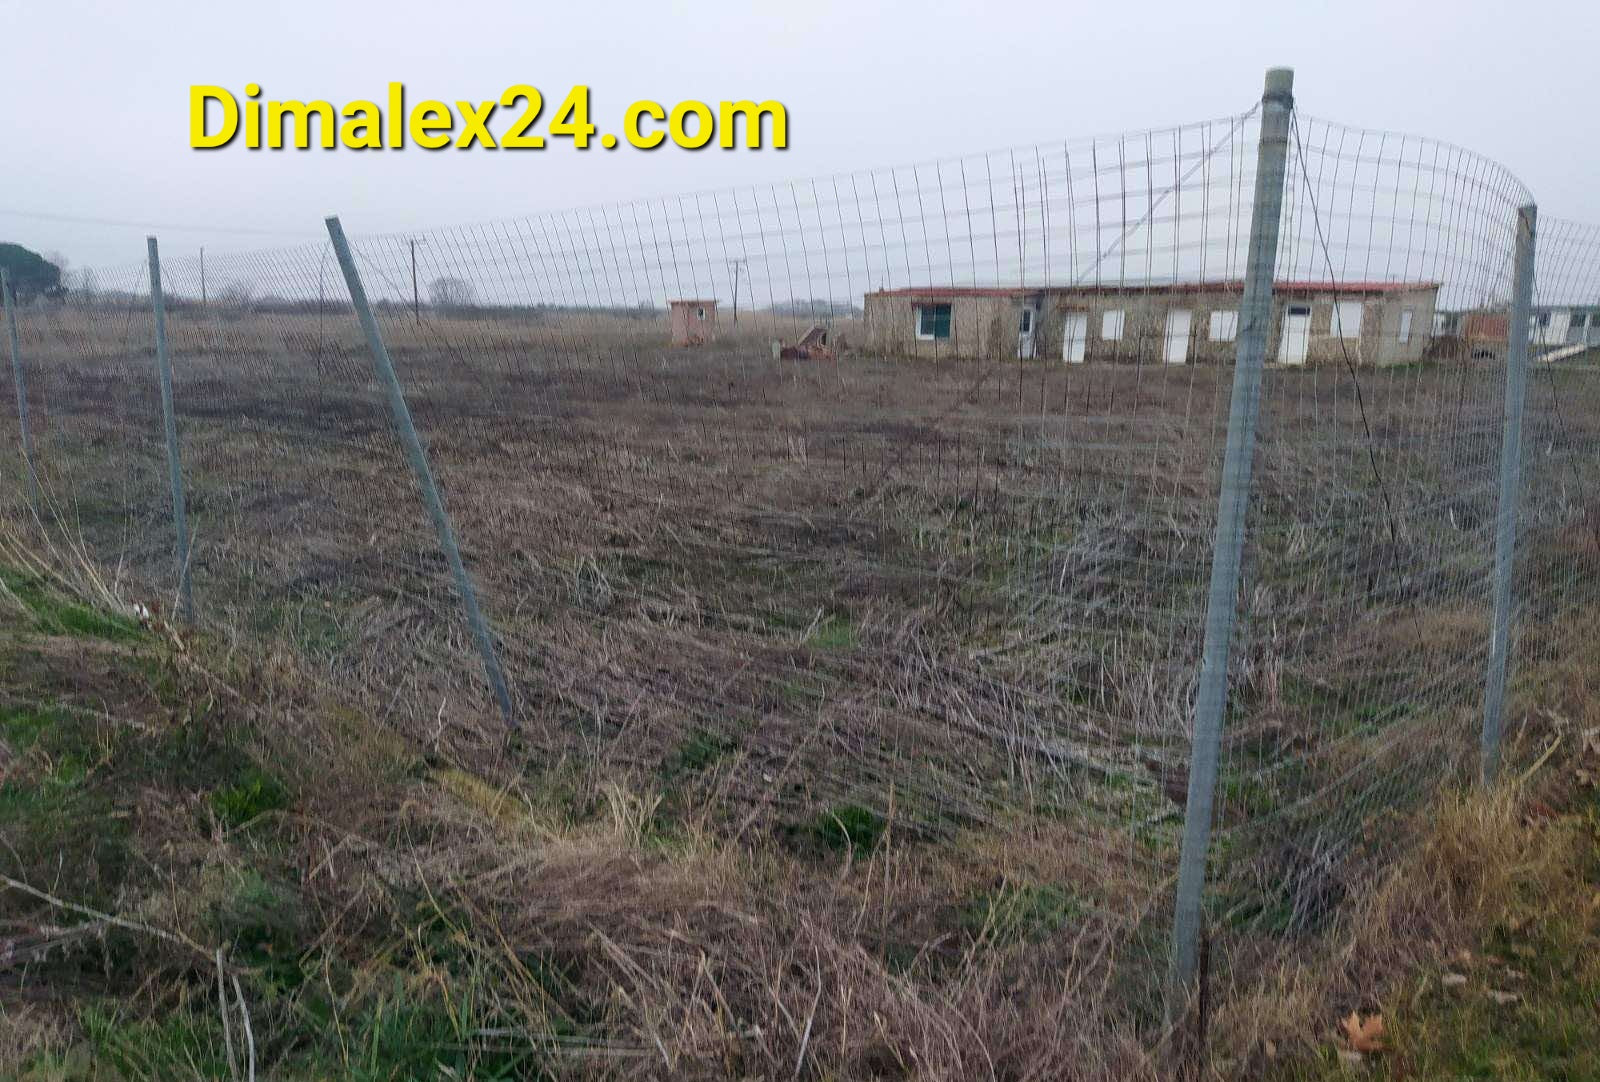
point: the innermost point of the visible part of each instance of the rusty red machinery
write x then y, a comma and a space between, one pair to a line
813, 347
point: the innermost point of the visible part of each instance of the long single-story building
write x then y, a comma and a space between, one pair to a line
1566, 325
1174, 323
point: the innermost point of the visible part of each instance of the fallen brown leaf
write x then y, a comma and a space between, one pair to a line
1364, 1035
1538, 810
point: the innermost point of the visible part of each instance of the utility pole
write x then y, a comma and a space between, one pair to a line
733, 268
416, 297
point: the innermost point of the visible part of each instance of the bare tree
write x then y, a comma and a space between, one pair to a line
237, 296
83, 284
451, 294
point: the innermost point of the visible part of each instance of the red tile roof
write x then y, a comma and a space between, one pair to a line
1229, 286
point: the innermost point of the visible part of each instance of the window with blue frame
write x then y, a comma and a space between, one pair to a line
933, 322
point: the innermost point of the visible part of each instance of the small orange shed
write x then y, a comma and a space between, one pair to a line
694, 323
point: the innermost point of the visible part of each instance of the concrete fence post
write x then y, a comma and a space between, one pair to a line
1255, 321
8, 293
418, 457
1505, 541
169, 420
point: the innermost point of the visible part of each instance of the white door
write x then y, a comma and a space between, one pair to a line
1296, 336
1025, 328
1177, 348
1074, 336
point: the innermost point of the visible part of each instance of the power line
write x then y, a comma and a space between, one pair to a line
169, 226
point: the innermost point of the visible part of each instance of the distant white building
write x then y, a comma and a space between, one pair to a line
1558, 326
1312, 322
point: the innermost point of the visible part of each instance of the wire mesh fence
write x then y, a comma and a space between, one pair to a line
1359, 667
886, 501
1559, 524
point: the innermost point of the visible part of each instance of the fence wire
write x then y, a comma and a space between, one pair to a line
1358, 670
887, 499
1558, 572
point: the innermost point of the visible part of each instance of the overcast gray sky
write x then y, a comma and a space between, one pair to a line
96, 115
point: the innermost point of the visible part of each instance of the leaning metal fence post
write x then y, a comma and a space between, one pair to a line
1255, 319
17, 378
419, 465
1505, 541
174, 462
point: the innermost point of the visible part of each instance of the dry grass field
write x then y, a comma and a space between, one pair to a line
853, 696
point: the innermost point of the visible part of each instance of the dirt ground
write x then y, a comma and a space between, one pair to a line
813, 598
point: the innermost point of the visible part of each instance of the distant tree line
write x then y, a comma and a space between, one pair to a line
31, 274
34, 276
815, 308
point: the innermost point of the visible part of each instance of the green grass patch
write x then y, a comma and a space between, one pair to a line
263, 921
1528, 1009
835, 632
850, 826
311, 626
183, 1044
699, 751
60, 819
60, 615
1020, 912
1549, 1031
827, 631
253, 794
398, 1034
24, 726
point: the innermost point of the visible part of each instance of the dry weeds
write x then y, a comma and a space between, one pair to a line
856, 695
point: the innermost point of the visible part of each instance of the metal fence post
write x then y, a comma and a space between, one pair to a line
1255, 321
1505, 541
418, 458
17, 378
174, 462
